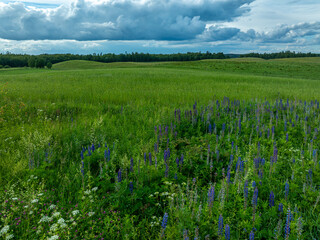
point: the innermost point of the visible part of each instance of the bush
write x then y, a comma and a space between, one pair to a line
1, 66
6, 66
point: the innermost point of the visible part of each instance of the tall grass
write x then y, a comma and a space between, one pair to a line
48, 117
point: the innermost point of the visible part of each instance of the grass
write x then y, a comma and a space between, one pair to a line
47, 117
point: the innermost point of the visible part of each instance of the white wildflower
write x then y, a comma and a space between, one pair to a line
151, 195
9, 237
4, 230
63, 225
34, 201
52, 206
95, 189
61, 221
56, 214
31, 212
54, 227
40, 194
45, 219
14, 199
87, 192
26, 206
75, 212
90, 214
55, 237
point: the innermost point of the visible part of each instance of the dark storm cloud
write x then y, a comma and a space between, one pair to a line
119, 19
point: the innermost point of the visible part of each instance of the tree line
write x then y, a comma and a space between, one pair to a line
46, 60
283, 54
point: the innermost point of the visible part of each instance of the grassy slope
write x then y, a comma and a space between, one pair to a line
79, 103
87, 91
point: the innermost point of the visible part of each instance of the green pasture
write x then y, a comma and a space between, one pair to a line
59, 111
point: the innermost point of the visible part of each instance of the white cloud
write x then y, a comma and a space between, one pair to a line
87, 26
117, 20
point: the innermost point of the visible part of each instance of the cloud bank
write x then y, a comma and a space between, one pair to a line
117, 19
86, 26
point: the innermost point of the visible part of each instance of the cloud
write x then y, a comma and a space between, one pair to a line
280, 34
117, 19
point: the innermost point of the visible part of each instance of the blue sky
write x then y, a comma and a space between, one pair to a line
159, 26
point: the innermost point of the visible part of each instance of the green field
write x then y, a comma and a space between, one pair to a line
47, 117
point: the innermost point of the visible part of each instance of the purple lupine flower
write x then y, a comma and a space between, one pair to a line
287, 227
175, 176
166, 173
211, 196
131, 187
217, 153
155, 161
119, 175
280, 208
82, 168
81, 154
228, 176
165, 155
253, 184
150, 159
251, 236
145, 158
287, 190
210, 128
310, 175
275, 154
105, 154
164, 221
108, 154
271, 199
227, 232
182, 158
255, 197
177, 161
92, 147
131, 165
220, 225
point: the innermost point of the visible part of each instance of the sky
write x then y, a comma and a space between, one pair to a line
159, 26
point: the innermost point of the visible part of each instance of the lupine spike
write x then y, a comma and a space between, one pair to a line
220, 225
227, 232
287, 190
271, 199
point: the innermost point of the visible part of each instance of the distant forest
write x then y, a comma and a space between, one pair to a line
8, 60
286, 54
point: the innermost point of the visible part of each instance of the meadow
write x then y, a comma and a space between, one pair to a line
211, 149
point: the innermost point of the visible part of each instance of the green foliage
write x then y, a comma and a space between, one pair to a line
47, 118
49, 65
